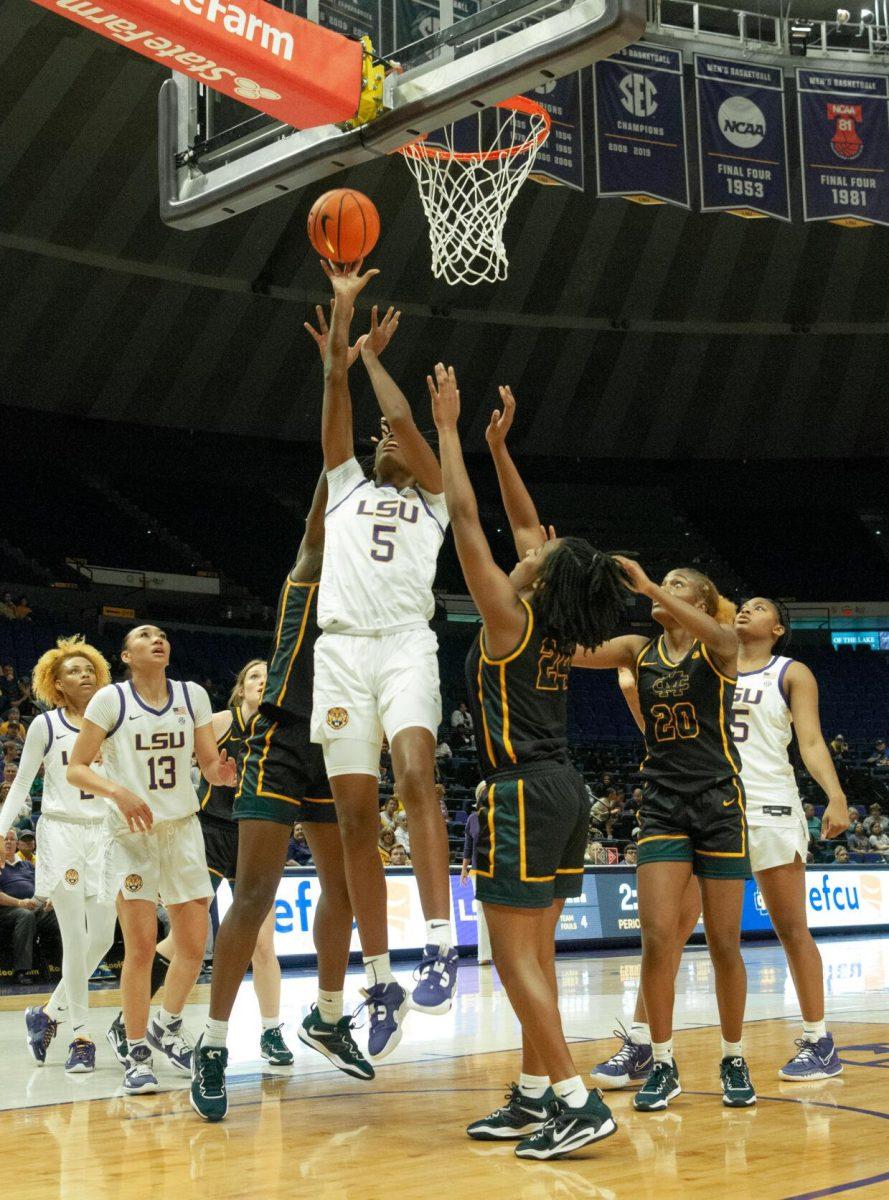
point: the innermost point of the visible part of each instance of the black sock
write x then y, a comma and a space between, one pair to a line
158, 972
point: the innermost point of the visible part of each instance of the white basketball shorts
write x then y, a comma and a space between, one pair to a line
167, 865
368, 687
777, 845
69, 854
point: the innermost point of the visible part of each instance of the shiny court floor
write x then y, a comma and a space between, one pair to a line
309, 1130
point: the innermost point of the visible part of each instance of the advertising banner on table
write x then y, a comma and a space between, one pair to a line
844, 147
640, 126
836, 898
742, 141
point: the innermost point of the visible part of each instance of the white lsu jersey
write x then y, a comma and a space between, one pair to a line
148, 750
48, 744
380, 552
762, 729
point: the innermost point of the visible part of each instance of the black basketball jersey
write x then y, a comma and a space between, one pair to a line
687, 708
519, 703
214, 800
288, 689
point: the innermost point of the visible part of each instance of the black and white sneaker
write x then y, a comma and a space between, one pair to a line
516, 1119
336, 1043
570, 1129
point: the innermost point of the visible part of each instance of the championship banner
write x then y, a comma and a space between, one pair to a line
280, 64
742, 142
844, 147
560, 158
640, 126
354, 19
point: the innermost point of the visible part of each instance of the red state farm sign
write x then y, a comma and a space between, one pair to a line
283, 65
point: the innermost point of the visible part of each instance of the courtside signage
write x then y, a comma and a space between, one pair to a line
260, 55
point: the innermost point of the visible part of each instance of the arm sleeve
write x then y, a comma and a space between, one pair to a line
342, 480
200, 704
36, 745
105, 708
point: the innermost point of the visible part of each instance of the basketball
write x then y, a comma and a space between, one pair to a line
344, 225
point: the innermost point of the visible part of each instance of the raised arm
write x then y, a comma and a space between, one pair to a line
418, 454
494, 595
310, 554
619, 652
337, 438
802, 693
719, 639
521, 513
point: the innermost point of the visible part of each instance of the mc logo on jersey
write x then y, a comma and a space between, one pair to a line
160, 741
741, 122
674, 684
337, 718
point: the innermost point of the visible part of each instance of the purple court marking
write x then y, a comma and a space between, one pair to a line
841, 1187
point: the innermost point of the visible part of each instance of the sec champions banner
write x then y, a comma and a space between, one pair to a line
844, 147
742, 144
640, 126
560, 158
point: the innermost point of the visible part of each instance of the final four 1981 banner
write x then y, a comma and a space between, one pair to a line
742, 145
844, 146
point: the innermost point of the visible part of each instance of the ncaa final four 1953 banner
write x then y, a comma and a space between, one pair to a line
844, 147
742, 144
640, 126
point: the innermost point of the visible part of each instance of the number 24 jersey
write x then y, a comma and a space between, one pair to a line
149, 750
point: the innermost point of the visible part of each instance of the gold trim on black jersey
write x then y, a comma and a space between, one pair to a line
282, 691
489, 801
220, 742
502, 664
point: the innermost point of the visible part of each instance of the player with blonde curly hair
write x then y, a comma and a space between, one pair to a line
69, 850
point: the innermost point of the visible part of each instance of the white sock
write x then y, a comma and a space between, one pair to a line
132, 1043
55, 1012
167, 1018
572, 1091
378, 969
663, 1052
533, 1086
330, 1006
270, 1022
215, 1033
732, 1049
438, 933
80, 1031
814, 1031
640, 1034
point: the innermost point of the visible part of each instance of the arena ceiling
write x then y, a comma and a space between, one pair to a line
626, 331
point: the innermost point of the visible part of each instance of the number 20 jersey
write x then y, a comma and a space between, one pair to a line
687, 706
380, 551
148, 750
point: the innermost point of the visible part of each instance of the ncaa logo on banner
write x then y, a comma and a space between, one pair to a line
741, 122
638, 95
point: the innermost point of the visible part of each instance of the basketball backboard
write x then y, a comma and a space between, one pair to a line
455, 57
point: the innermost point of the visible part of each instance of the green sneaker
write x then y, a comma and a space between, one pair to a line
661, 1086
336, 1043
274, 1049
517, 1118
570, 1129
737, 1090
208, 1095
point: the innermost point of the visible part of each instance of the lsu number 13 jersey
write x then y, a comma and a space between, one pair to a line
148, 750
380, 551
762, 728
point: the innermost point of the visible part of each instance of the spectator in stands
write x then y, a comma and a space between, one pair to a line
386, 844
813, 822
398, 857
12, 751
595, 854
857, 839
840, 855
12, 728
854, 817
24, 920
22, 609
27, 845
599, 814
879, 838
443, 756
10, 770
8, 689
615, 800
25, 701
631, 855
839, 747
874, 814
461, 727
389, 812
878, 756
7, 606
385, 777
298, 852
402, 837
442, 802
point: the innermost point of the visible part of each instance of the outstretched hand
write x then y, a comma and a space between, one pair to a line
445, 397
635, 578
501, 420
346, 278
380, 333
322, 333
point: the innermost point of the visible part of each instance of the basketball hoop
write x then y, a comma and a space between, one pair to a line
466, 193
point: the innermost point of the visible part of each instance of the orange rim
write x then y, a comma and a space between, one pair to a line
520, 104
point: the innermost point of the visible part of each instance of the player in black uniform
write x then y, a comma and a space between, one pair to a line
220, 830
283, 781
692, 811
534, 814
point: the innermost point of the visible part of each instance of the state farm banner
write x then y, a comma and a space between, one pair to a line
640, 125
260, 55
844, 147
742, 141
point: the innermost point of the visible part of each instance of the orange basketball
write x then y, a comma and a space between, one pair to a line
344, 225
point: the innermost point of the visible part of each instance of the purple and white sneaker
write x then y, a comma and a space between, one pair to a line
434, 993
41, 1031
139, 1076
630, 1064
81, 1057
815, 1060
387, 1003
172, 1042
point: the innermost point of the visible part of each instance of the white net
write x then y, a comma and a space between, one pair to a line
468, 184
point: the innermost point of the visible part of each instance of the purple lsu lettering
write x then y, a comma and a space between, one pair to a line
160, 741
391, 512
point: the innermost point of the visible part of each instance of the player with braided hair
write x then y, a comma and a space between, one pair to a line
534, 812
